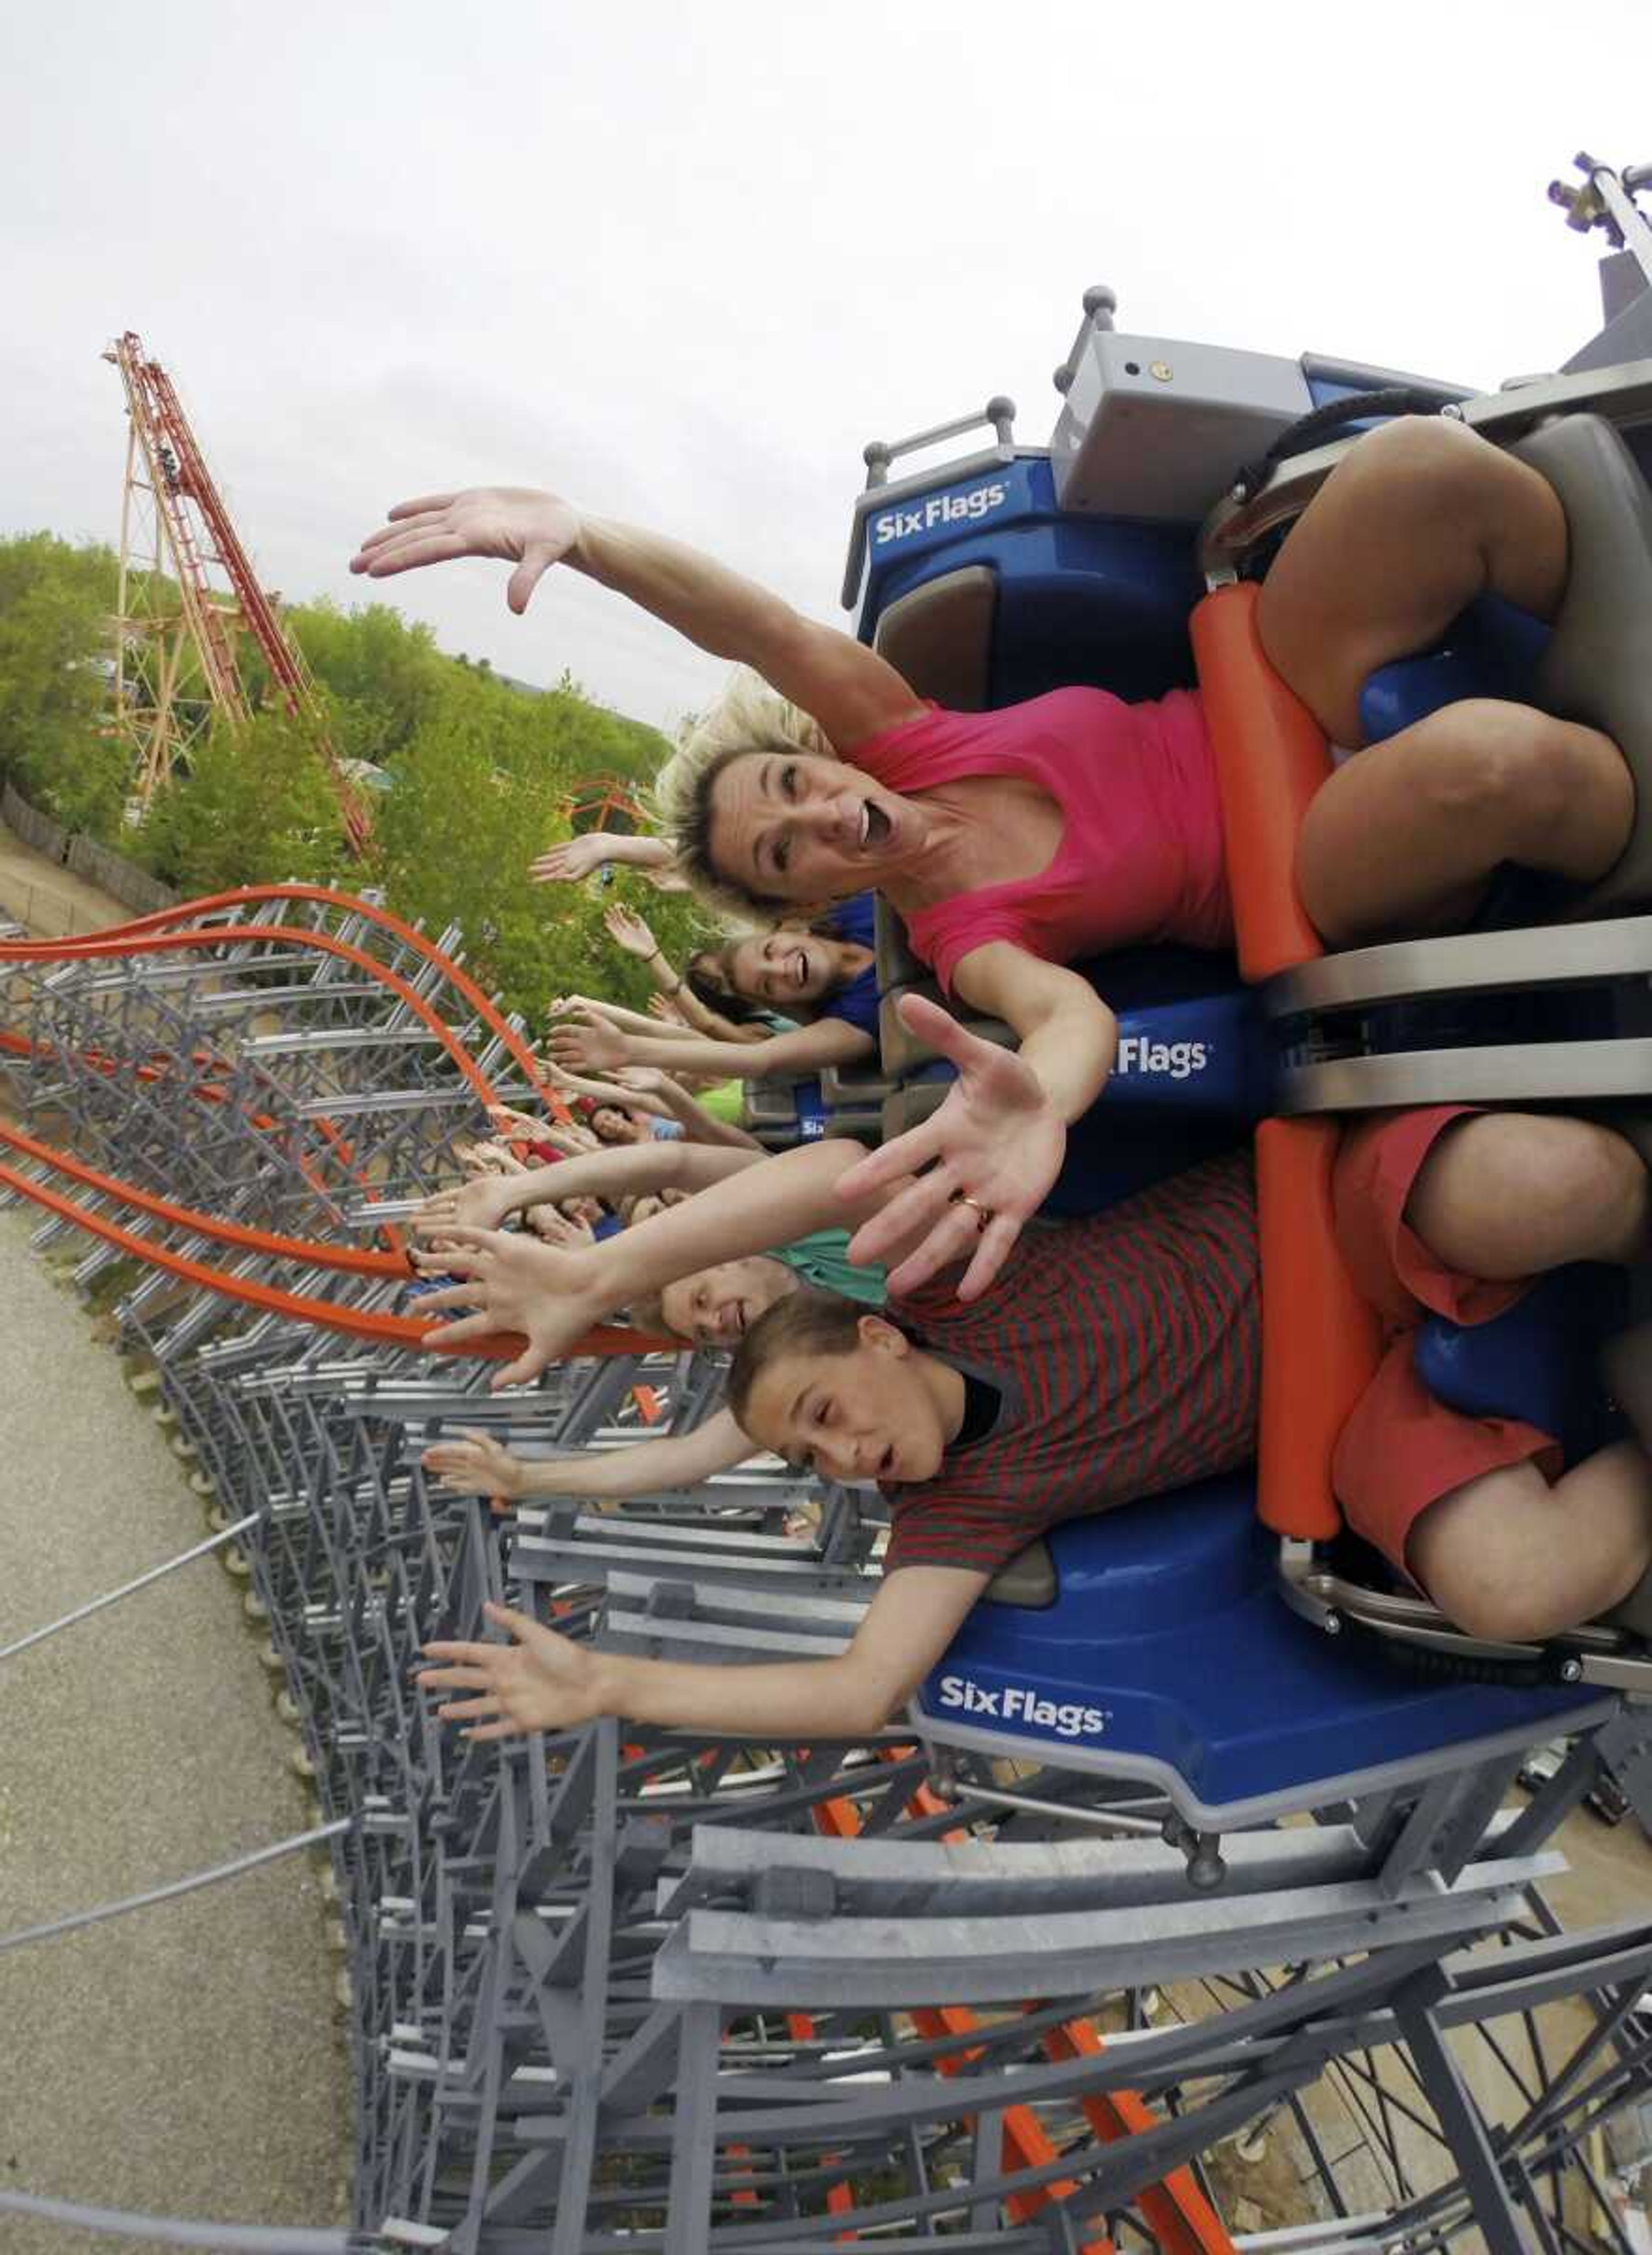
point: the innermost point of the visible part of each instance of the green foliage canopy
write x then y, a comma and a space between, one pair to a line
55, 605
481, 772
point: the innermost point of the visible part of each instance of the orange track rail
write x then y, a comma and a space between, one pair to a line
246, 896
1181, 2218
153, 934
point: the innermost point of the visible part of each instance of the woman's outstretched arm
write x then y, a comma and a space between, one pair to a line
845, 688
575, 857
630, 932
995, 1146
640, 1167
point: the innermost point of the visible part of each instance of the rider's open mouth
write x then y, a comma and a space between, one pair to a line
886, 1462
874, 824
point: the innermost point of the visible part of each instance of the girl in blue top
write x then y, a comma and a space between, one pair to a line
826, 976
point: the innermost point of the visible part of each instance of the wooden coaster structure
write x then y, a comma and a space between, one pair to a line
187, 595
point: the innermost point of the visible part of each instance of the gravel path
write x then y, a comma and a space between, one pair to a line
183, 2061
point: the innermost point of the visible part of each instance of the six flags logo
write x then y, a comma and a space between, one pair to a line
940, 508
1138, 1054
1016, 1702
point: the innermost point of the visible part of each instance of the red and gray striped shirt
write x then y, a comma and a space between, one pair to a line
1127, 1349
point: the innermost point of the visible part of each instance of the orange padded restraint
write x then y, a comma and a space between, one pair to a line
1320, 1342
1271, 758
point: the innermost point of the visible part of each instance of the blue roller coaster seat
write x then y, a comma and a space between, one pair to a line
1169, 1656
1080, 600
1536, 1362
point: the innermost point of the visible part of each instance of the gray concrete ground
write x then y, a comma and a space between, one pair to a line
185, 2060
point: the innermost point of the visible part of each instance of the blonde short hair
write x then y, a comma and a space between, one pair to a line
749, 716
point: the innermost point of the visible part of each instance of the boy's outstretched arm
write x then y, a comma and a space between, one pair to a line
472, 1463
554, 1296
597, 1173
544, 1682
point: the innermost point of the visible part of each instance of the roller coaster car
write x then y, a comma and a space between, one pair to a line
1019, 570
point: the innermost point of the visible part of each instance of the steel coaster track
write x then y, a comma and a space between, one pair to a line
705, 1995
159, 935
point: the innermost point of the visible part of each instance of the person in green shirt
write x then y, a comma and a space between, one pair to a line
822, 1258
711, 1307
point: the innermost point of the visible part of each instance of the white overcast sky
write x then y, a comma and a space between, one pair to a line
680, 259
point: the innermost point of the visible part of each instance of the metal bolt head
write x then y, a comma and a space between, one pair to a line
1160, 370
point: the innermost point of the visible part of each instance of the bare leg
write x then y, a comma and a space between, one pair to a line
1406, 837
1416, 520
1508, 1194
1508, 1557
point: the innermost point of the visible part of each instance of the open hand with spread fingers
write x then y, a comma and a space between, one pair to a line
516, 1125
515, 524
469, 1462
627, 930
512, 1282
591, 1045
485, 1159
552, 1226
992, 1151
646, 1079
484, 1203
573, 859
541, 1682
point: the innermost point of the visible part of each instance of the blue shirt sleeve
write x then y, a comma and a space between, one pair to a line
854, 920
857, 1004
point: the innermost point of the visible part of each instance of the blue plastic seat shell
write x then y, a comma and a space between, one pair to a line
1171, 1656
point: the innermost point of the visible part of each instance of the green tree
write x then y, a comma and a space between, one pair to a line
484, 771
55, 605
382, 675
479, 792
256, 807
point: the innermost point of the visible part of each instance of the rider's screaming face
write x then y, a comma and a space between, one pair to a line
865, 1416
795, 826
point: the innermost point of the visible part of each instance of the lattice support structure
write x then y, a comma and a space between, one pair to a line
188, 592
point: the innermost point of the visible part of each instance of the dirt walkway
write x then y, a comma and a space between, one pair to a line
52, 901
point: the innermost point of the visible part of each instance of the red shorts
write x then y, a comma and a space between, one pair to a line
1401, 1450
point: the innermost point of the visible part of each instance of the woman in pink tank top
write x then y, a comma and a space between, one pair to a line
1013, 842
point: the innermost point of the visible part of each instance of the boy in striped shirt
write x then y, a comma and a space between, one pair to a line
1113, 1358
